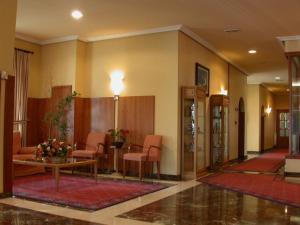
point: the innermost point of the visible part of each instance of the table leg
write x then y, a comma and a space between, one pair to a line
57, 178
96, 171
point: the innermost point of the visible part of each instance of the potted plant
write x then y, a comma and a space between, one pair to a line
119, 137
58, 118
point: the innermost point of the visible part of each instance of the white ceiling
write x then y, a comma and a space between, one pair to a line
260, 21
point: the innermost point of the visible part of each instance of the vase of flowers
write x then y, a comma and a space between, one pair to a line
119, 137
53, 151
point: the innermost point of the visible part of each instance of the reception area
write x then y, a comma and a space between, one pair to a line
130, 120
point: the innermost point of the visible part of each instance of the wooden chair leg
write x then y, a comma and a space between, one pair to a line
124, 168
158, 170
140, 170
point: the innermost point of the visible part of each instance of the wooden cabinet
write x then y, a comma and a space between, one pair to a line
219, 130
192, 132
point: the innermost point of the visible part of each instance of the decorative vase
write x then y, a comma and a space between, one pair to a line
118, 144
56, 159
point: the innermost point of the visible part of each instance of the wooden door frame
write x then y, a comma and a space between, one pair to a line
277, 124
8, 136
262, 128
241, 129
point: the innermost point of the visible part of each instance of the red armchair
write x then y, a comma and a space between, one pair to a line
150, 153
24, 153
94, 147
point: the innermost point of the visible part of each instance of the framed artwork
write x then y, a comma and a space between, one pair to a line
202, 77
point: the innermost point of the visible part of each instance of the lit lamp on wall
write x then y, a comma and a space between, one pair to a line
223, 91
116, 83
268, 110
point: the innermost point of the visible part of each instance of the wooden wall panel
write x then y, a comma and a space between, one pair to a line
137, 115
94, 114
8, 134
37, 129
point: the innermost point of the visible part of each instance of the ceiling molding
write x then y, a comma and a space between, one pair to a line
28, 39
179, 27
206, 44
289, 38
132, 34
60, 39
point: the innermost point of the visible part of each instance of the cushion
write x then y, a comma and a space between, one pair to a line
84, 153
93, 139
16, 142
24, 157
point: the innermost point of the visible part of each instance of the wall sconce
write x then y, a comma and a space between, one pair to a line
116, 83
223, 91
268, 110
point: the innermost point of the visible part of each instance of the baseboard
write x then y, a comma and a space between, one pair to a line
268, 149
169, 177
6, 195
253, 152
292, 174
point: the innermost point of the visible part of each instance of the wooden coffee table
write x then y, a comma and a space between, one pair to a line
70, 163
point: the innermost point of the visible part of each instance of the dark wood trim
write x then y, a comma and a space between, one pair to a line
291, 174
254, 152
6, 195
288, 54
8, 134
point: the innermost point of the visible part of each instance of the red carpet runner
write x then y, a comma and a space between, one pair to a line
268, 162
81, 192
259, 185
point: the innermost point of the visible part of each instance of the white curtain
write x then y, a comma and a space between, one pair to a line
21, 70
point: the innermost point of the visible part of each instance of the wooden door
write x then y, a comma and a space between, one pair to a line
262, 129
282, 128
241, 130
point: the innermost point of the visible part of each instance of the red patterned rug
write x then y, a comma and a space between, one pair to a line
81, 192
269, 187
268, 162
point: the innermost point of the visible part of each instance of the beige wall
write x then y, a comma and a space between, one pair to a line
7, 24
253, 118
237, 90
267, 99
34, 79
58, 66
150, 64
8, 9
292, 46
191, 52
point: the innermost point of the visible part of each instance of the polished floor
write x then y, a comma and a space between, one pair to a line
183, 203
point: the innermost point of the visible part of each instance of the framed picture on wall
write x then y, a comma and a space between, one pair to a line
202, 77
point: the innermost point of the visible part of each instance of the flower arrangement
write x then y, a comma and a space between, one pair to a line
52, 148
119, 136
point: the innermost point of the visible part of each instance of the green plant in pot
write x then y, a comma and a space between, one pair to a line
58, 118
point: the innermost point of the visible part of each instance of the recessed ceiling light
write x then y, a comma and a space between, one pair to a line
277, 78
76, 14
252, 51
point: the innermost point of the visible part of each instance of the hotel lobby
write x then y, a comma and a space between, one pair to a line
149, 112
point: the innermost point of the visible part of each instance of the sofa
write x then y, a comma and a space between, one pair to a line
24, 153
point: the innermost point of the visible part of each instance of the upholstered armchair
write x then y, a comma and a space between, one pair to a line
19, 152
93, 148
24, 153
150, 153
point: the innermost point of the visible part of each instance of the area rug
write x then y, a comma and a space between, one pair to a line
270, 187
81, 192
267, 162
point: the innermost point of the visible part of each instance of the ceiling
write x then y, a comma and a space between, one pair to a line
277, 89
260, 23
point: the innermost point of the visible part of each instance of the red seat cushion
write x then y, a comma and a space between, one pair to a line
84, 153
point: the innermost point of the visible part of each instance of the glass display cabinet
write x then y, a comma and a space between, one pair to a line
219, 153
294, 78
193, 132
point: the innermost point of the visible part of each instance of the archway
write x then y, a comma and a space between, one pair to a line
241, 130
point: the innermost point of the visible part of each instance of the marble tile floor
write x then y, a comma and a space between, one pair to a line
205, 205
